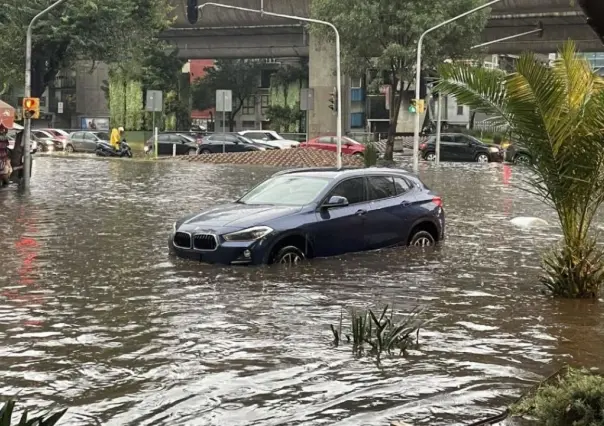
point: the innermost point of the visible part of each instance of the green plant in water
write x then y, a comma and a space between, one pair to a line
558, 114
380, 334
574, 398
6, 414
371, 155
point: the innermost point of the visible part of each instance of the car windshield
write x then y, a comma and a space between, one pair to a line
350, 141
189, 138
286, 190
246, 140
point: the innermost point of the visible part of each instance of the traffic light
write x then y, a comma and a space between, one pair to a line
412, 106
333, 101
421, 107
192, 11
31, 108
594, 11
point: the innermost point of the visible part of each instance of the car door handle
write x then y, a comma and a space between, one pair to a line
361, 212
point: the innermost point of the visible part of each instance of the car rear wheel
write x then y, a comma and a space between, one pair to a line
430, 156
192, 152
69, 148
422, 239
482, 158
289, 255
522, 159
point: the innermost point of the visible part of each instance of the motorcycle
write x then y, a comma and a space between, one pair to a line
105, 149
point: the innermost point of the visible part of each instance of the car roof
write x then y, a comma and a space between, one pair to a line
333, 173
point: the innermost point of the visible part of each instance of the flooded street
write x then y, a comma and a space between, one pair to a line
96, 317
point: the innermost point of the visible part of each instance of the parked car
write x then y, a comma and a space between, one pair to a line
62, 135
229, 142
46, 141
185, 144
306, 213
11, 142
329, 143
269, 137
85, 141
518, 154
460, 147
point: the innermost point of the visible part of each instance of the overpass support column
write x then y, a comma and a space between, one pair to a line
322, 78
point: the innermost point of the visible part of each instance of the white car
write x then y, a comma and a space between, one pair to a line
269, 137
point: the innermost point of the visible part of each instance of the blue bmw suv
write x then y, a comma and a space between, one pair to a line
306, 213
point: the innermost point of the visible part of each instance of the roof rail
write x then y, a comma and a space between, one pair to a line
315, 169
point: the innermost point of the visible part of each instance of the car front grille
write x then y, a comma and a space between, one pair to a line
182, 239
205, 242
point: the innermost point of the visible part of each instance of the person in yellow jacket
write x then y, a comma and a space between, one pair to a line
116, 137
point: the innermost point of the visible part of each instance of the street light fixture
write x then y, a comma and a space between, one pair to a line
418, 73
27, 94
338, 61
538, 30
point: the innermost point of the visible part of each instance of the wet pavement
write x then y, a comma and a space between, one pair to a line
95, 316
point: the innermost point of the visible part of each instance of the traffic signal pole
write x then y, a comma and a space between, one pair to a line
418, 74
27, 94
263, 12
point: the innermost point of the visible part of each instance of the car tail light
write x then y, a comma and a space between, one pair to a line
422, 146
438, 201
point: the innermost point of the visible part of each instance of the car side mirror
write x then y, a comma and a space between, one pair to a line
265, 139
336, 201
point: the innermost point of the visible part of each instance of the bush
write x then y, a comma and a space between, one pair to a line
371, 155
6, 414
575, 397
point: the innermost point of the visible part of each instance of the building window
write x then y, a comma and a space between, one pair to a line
459, 109
357, 120
264, 103
356, 83
265, 78
249, 106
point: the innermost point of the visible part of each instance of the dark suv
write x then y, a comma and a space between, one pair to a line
460, 147
306, 213
518, 154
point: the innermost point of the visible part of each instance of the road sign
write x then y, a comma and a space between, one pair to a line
307, 99
60, 108
421, 107
224, 101
155, 101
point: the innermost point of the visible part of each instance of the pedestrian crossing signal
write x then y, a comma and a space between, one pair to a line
31, 108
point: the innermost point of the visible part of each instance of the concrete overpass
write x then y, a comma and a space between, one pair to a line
222, 33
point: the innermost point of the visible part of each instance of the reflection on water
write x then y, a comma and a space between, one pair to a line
94, 315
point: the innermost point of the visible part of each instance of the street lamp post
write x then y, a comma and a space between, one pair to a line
418, 74
499, 40
338, 61
27, 94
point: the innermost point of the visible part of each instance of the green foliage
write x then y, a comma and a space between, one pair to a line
371, 155
381, 334
125, 102
575, 398
6, 413
383, 34
282, 118
238, 75
558, 114
110, 31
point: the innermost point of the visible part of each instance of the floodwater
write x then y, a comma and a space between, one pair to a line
96, 317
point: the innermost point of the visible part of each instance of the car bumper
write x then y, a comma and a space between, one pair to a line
496, 157
226, 253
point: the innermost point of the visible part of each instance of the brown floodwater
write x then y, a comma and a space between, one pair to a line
95, 316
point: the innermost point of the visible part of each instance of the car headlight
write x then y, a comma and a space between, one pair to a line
494, 149
249, 234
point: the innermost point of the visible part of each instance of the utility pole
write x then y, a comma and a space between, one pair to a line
27, 94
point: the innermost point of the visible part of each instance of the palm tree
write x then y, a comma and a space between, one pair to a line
558, 113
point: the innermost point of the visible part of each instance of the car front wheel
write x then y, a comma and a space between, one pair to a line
431, 156
205, 151
522, 159
422, 239
482, 158
289, 255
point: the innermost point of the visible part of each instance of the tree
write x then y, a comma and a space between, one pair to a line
238, 75
383, 34
558, 114
111, 31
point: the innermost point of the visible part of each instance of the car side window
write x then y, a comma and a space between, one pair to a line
380, 187
90, 137
231, 138
446, 139
352, 189
401, 185
254, 135
163, 138
325, 139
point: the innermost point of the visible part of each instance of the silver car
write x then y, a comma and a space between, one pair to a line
85, 141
